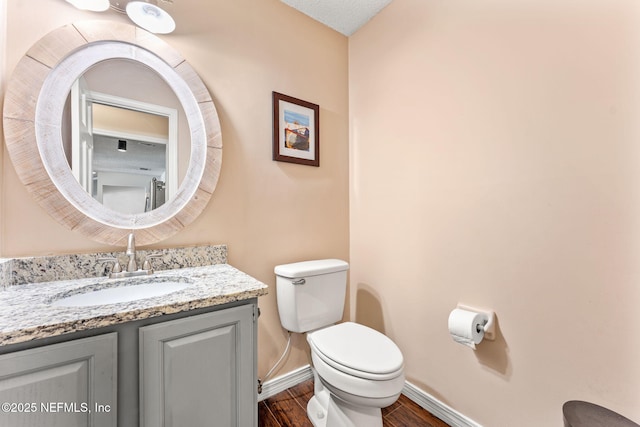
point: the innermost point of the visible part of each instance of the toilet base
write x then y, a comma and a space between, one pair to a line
342, 416
326, 410
316, 413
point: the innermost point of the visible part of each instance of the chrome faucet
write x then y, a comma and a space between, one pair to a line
132, 265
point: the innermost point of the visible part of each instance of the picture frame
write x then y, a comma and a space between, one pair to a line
296, 130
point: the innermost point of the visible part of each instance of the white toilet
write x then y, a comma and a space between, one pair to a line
356, 369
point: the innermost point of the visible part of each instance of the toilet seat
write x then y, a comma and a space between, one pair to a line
358, 351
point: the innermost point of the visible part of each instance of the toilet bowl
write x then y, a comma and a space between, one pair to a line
357, 370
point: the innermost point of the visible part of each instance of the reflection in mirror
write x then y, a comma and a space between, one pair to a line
128, 164
130, 152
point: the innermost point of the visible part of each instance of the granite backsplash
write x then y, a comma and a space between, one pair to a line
20, 271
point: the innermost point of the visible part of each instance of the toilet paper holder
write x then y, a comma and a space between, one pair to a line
490, 325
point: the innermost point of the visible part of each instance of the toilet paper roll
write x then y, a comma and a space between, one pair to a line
465, 327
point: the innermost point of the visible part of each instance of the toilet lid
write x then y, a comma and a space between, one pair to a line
358, 347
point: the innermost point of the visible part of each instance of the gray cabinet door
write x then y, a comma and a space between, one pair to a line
199, 371
72, 384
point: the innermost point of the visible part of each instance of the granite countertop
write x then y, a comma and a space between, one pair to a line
27, 311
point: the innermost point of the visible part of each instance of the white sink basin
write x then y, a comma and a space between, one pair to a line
120, 294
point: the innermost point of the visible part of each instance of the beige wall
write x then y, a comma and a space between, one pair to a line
267, 212
3, 73
495, 161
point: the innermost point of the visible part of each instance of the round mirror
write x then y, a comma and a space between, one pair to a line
63, 147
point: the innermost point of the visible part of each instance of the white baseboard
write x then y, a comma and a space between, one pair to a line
420, 397
436, 407
283, 382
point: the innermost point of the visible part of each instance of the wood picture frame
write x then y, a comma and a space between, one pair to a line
296, 130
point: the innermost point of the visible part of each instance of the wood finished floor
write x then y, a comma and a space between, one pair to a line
289, 409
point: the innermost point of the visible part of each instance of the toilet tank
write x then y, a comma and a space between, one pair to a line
311, 294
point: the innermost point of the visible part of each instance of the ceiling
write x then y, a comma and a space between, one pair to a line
141, 157
344, 16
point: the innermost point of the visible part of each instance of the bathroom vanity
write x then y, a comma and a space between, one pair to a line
175, 348
187, 357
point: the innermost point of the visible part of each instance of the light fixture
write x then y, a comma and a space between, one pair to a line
150, 17
122, 145
92, 5
145, 14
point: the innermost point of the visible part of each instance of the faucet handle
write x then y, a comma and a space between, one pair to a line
146, 264
117, 267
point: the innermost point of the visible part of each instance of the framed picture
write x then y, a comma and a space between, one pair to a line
296, 130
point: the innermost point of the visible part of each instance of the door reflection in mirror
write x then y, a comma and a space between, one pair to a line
129, 155
125, 151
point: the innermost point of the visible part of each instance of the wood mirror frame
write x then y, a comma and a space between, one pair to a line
32, 127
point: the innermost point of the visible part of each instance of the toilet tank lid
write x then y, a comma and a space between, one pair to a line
311, 268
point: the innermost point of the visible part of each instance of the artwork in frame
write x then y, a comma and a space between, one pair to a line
296, 130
